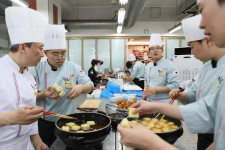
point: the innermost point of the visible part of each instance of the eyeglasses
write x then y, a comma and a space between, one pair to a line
59, 56
155, 48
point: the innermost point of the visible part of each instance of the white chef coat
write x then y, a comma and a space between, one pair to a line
138, 70
207, 115
16, 90
165, 73
67, 75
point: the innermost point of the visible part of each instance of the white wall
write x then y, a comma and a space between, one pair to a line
136, 30
42, 7
45, 7
57, 3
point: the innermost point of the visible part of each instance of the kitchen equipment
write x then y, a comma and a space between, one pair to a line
89, 105
85, 140
171, 136
54, 114
115, 115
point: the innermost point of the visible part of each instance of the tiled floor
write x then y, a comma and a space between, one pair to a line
187, 141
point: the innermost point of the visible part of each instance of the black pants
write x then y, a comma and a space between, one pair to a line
46, 131
204, 140
139, 83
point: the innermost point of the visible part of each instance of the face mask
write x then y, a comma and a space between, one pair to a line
96, 68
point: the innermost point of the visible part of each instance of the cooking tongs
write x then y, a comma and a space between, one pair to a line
171, 102
55, 114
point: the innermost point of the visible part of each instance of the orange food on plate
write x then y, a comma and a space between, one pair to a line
125, 104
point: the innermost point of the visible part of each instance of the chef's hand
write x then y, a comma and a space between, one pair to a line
136, 136
75, 91
148, 91
144, 107
41, 146
24, 115
142, 138
175, 93
38, 143
51, 93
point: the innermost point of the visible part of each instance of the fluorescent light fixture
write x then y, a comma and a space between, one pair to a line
20, 3
119, 28
121, 15
175, 28
138, 43
123, 2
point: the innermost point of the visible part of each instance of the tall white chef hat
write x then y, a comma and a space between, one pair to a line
191, 29
24, 25
155, 40
132, 57
145, 57
55, 37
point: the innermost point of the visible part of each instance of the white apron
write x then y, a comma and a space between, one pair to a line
19, 143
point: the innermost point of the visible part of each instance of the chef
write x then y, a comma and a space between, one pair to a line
146, 61
93, 73
205, 50
56, 69
206, 115
161, 75
18, 126
137, 71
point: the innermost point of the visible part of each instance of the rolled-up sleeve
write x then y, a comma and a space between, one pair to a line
191, 92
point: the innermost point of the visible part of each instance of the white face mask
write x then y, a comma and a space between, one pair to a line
96, 68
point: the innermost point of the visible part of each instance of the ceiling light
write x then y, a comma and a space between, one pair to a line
119, 28
121, 15
20, 3
123, 2
175, 28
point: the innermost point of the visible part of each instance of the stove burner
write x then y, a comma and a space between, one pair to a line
98, 147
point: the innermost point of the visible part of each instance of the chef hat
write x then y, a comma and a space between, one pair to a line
55, 37
132, 57
155, 40
145, 57
191, 29
24, 25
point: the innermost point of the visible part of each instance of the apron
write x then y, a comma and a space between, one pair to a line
20, 143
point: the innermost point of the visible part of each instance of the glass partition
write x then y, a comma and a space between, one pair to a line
75, 51
89, 53
103, 52
118, 53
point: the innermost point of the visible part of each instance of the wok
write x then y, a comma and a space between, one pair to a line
171, 136
85, 140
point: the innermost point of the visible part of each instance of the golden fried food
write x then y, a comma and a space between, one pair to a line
131, 115
124, 104
147, 119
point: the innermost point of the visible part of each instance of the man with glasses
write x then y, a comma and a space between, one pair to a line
56, 69
161, 75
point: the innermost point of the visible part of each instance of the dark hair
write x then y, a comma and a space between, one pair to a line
94, 62
101, 62
128, 64
221, 2
15, 47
